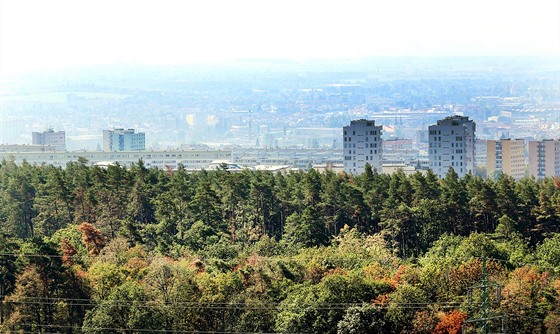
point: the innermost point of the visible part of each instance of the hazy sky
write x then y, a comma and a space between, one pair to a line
36, 35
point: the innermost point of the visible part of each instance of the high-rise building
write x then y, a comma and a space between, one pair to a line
362, 145
123, 140
544, 158
480, 152
451, 144
50, 138
506, 156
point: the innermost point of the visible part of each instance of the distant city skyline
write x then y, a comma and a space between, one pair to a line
38, 35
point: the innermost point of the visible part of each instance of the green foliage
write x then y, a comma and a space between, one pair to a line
221, 255
267, 246
479, 245
18, 195
199, 235
262, 252
357, 250
399, 313
365, 318
548, 253
42, 282
52, 203
125, 309
314, 307
305, 230
103, 277
8, 270
414, 210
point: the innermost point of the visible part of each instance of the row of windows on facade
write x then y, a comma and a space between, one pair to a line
458, 138
367, 138
513, 156
353, 165
353, 145
438, 132
453, 164
371, 133
368, 158
434, 151
452, 157
452, 145
456, 164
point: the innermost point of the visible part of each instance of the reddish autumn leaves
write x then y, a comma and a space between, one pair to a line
92, 238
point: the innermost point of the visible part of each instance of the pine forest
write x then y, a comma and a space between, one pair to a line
95, 250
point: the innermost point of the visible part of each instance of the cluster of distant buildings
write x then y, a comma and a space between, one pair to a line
122, 146
52, 141
451, 144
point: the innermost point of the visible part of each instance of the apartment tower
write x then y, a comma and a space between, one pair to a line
451, 144
50, 138
362, 145
544, 158
506, 156
123, 140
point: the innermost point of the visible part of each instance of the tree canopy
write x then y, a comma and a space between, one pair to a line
86, 249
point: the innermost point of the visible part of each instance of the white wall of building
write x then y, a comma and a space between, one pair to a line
123, 140
452, 144
362, 144
50, 138
191, 160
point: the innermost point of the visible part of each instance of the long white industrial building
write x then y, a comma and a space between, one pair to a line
191, 159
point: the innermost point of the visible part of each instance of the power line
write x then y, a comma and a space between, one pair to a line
83, 327
136, 329
485, 304
526, 317
188, 302
240, 306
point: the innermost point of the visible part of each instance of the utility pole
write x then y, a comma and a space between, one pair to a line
484, 296
485, 306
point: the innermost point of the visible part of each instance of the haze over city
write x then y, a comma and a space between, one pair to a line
277, 75
41, 35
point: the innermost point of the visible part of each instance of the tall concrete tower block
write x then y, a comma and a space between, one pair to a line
451, 144
362, 144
